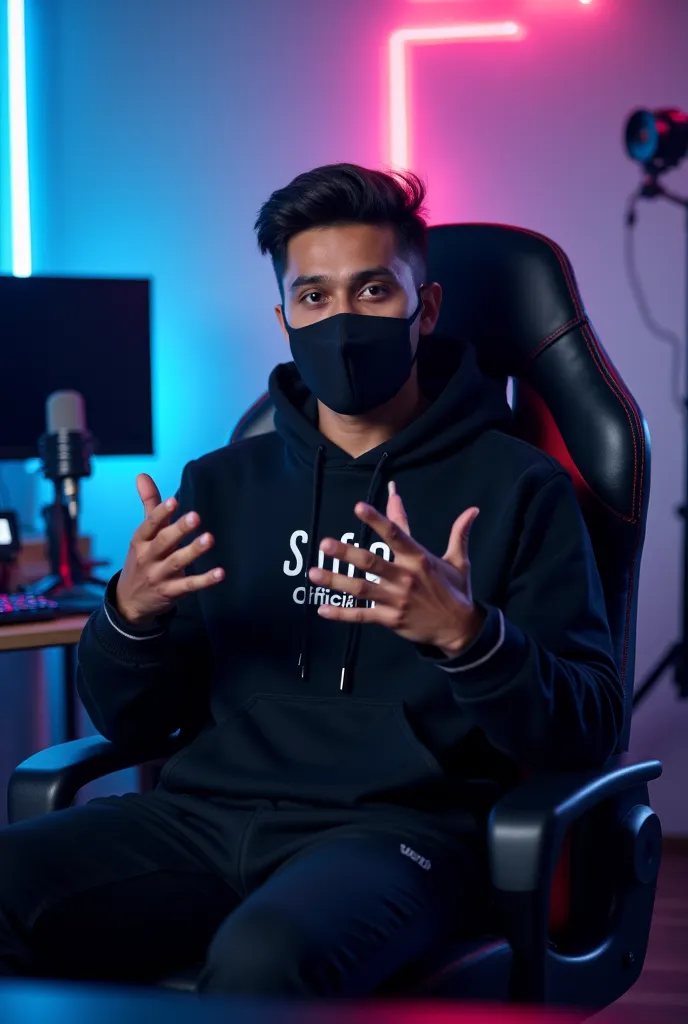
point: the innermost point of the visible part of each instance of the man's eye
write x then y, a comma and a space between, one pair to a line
315, 297
376, 291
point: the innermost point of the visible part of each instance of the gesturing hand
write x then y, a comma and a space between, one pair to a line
153, 577
421, 597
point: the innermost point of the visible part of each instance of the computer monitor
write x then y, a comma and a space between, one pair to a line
77, 333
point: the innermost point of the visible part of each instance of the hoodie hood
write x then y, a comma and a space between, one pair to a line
464, 404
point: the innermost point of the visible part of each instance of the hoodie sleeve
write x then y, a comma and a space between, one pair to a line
139, 686
540, 679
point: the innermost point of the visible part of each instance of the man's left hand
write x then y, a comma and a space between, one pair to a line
423, 598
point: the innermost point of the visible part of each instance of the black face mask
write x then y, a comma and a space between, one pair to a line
354, 362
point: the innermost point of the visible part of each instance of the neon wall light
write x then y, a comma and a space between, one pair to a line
400, 45
18, 142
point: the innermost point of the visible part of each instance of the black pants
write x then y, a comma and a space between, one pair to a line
272, 902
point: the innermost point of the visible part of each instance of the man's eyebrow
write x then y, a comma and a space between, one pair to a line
315, 280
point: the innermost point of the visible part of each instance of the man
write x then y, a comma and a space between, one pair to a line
354, 693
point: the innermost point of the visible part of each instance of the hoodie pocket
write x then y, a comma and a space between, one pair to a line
327, 751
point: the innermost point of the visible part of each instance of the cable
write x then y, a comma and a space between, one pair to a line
663, 334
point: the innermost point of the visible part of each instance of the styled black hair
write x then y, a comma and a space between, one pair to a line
345, 194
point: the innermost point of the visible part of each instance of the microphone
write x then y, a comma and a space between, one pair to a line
66, 447
65, 450
65, 410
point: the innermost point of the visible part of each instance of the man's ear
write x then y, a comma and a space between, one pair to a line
431, 295
280, 320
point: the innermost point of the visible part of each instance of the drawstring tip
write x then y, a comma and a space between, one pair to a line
343, 677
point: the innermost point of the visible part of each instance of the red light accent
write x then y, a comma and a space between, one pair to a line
63, 546
399, 43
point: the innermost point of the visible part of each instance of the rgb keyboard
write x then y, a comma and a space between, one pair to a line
26, 608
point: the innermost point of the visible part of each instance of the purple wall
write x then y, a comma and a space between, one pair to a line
159, 128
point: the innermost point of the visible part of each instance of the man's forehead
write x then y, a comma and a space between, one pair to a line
342, 250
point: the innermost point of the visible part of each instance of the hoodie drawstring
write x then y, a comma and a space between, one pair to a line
351, 643
304, 656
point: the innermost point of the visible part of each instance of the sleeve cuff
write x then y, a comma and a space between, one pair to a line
482, 648
122, 640
490, 661
125, 629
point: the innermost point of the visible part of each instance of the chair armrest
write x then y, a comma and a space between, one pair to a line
49, 780
527, 826
526, 832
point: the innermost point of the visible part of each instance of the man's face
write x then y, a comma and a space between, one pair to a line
353, 268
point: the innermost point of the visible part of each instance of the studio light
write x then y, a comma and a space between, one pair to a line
657, 139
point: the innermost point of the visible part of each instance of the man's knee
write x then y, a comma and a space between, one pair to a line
262, 951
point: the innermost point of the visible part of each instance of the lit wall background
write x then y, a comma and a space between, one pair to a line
159, 126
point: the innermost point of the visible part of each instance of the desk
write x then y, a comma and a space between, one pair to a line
37, 636
64, 632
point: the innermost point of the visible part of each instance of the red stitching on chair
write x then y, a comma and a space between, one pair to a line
616, 390
563, 259
629, 407
573, 469
640, 489
565, 265
554, 336
611, 370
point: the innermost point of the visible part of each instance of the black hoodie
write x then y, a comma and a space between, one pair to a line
251, 671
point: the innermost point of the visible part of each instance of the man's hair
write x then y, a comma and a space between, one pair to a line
345, 194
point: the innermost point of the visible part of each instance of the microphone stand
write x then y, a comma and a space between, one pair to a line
676, 656
66, 460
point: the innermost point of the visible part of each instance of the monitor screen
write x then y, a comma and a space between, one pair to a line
5, 531
90, 335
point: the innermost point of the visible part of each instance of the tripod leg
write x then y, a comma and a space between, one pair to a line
649, 682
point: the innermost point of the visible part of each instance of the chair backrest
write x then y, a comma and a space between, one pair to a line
512, 294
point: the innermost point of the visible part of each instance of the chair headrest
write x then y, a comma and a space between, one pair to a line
512, 291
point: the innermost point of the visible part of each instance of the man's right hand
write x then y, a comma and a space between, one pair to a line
153, 577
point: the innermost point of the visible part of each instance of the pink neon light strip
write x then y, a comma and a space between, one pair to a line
399, 100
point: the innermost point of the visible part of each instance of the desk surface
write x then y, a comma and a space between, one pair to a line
32, 636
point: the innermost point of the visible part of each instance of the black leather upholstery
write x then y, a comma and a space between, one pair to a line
513, 294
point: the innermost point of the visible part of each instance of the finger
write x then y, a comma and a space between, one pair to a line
396, 513
148, 492
361, 558
180, 559
174, 589
171, 536
457, 549
398, 539
380, 615
156, 520
363, 589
